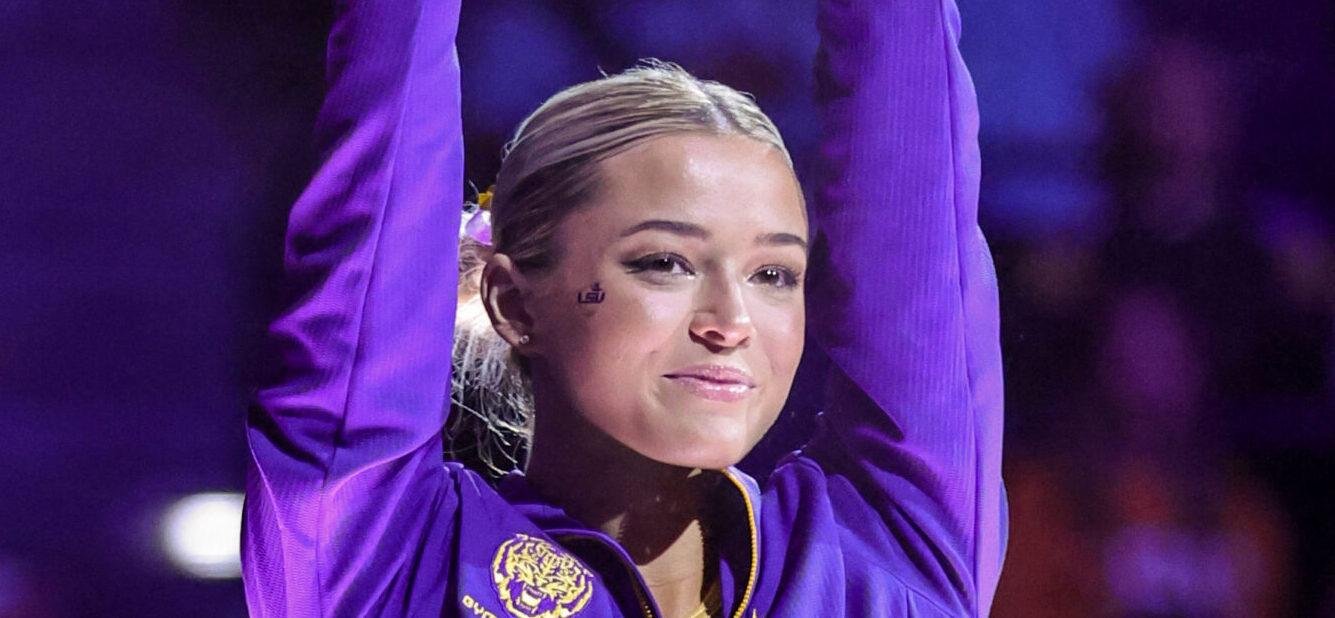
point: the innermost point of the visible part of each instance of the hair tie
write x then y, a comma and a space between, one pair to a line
484, 198
477, 222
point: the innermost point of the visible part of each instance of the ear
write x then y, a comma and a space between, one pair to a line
504, 292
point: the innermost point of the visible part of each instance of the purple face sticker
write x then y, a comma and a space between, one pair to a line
591, 296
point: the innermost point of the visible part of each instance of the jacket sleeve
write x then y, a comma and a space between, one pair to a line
904, 295
348, 506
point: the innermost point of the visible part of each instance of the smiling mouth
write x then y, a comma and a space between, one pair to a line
709, 389
714, 383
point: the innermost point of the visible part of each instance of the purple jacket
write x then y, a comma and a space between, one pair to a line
895, 509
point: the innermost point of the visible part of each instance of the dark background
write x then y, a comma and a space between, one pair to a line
1157, 187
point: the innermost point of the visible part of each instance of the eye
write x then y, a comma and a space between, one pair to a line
662, 263
776, 276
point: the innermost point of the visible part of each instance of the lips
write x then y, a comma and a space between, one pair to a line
714, 382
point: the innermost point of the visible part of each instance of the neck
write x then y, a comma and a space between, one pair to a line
652, 509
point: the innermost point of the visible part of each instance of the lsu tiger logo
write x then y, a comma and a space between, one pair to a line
534, 579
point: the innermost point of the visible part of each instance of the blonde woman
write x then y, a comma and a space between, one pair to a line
646, 281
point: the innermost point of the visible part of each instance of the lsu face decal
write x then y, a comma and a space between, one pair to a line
535, 579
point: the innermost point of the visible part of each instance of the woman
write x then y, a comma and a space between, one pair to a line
660, 329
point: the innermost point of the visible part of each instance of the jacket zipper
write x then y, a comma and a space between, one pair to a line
755, 547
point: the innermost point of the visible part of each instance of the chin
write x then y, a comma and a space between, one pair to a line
711, 463
703, 454
705, 439
703, 463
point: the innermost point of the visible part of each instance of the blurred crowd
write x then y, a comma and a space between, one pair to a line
1158, 190
1170, 432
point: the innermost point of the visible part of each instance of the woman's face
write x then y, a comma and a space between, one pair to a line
686, 350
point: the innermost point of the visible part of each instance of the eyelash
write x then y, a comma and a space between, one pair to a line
786, 277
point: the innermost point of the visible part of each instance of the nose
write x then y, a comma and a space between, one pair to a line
721, 320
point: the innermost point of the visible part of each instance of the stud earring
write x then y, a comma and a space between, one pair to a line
524, 339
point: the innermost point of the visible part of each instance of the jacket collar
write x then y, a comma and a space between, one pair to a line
739, 508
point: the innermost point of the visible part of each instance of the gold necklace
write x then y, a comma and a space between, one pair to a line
713, 599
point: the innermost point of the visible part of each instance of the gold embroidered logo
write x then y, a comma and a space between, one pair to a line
536, 580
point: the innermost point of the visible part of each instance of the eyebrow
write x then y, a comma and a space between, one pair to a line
682, 228
782, 238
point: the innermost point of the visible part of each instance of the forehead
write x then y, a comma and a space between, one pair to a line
712, 180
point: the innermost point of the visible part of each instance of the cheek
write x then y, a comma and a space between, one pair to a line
621, 340
784, 334
783, 329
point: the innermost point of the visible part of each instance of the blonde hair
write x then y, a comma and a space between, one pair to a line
548, 170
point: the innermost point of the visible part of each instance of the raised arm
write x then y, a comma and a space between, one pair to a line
346, 488
904, 299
